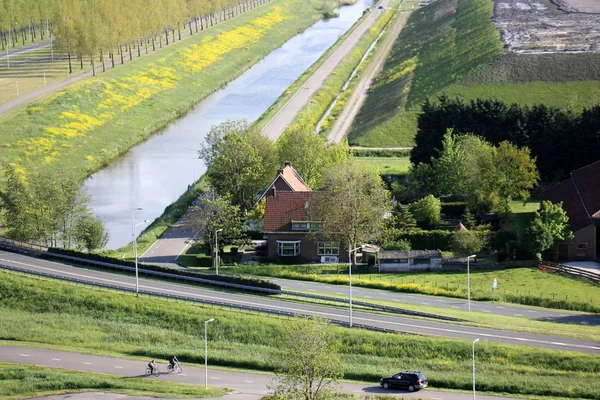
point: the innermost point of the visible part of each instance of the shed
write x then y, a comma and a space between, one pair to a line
412, 260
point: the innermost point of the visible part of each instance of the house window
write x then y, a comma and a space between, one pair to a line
328, 249
287, 248
581, 246
300, 225
394, 261
421, 261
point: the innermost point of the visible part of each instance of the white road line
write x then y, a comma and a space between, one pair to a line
517, 315
183, 374
367, 297
500, 307
119, 367
56, 359
456, 307
300, 283
24, 355
559, 343
488, 311
249, 381
339, 293
427, 304
87, 363
532, 311
214, 377
327, 287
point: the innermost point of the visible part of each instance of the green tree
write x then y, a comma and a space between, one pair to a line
427, 211
211, 215
466, 242
468, 219
90, 233
309, 153
240, 161
515, 173
549, 227
309, 365
351, 206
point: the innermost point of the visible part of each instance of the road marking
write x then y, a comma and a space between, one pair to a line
500, 307
488, 311
427, 304
456, 307
87, 363
339, 293
56, 359
119, 367
368, 297
327, 287
249, 381
300, 283
559, 343
517, 315
24, 355
411, 297
183, 374
214, 377
531, 311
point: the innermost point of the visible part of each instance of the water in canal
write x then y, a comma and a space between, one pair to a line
155, 173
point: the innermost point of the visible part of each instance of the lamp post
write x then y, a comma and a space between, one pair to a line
217, 251
469, 282
133, 226
350, 251
206, 351
473, 358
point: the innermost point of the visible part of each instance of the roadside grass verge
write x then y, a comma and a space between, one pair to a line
45, 312
85, 126
18, 381
568, 326
527, 286
264, 119
440, 44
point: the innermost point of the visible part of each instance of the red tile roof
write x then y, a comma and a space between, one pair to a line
580, 195
283, 207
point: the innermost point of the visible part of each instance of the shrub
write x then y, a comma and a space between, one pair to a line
427, 240
202, 260
454, 210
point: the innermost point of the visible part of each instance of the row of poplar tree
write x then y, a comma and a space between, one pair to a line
94, 28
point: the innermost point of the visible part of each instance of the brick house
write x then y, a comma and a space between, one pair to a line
287, 224
580, 195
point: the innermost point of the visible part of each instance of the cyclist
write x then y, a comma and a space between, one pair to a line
173, 360
152, 366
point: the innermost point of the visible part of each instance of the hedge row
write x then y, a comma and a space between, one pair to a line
427, 240
380, 153
239, 280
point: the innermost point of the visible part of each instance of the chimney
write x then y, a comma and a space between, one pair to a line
280, 171
288, 164
273, 191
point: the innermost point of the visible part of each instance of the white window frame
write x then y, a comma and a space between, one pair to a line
328, 249
294, 245
296, 225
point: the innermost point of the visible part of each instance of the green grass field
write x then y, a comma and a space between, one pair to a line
18, 381
109, 323
518, 285
385, 165
87, 125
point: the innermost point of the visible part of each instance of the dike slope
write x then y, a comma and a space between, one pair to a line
454, 47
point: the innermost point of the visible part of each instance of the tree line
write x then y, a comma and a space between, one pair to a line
93, 28
560, 140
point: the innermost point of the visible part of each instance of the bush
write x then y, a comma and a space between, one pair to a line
202, 260
379, 153
427, 240
454, 210
54, 252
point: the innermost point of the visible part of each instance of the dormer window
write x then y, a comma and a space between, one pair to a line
300, 225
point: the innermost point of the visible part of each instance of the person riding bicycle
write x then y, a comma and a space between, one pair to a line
173, 360
152, 366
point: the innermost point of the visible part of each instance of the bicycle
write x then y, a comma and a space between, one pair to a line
177, 369
155, 373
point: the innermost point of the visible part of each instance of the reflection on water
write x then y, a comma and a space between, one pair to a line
153, 174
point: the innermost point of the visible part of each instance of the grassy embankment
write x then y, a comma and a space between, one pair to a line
18, 381
123, 325
460, 54
526, 286
84, 127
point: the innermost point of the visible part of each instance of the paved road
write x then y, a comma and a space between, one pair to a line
437, 301
345, 119
394, 323
248, 386
24, 50
277, 125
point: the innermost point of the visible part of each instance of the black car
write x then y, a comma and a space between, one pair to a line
409, 380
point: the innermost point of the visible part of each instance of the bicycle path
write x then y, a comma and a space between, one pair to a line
277, 125
247, 386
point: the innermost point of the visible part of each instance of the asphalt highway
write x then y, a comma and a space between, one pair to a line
247, 386
395, 323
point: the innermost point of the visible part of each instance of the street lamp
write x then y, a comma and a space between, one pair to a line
133, 226
350, 251
469, 282
206, 351
217, 251
473, 358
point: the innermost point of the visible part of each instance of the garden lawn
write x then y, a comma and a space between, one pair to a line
19, 381
84, 127
44, 313
384, 165
528, 286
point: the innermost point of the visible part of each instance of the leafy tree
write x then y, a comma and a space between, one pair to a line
351, 205
211, 215
90, 233
309, 365
240, 161
427, 211
549, 227
309, 154
466, 242
515, 171
468, 219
